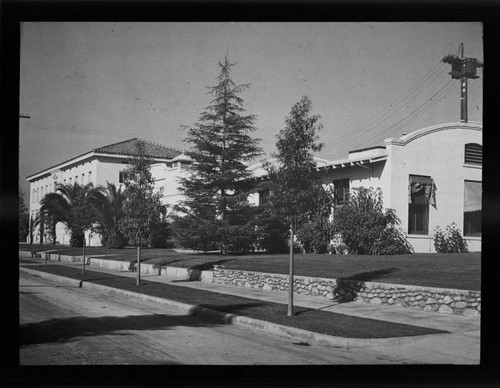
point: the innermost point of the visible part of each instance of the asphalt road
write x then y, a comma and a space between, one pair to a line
64, 325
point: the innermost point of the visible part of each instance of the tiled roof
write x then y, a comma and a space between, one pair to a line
128, 147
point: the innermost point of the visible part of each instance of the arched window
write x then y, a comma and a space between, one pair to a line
474, 153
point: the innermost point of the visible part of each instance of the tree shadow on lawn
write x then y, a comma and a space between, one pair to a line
371, 275
194, 272
347, 288
67, 329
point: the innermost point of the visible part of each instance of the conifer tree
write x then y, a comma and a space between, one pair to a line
216, 207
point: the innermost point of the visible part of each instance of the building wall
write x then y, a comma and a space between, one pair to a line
100, 170
167, 177
82, 172
437, 152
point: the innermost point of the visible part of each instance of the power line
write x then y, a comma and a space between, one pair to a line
390, 110
430, 102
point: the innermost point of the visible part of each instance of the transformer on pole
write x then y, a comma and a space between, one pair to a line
463, 69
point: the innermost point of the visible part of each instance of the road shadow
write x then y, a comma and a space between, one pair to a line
69, 329
235, 308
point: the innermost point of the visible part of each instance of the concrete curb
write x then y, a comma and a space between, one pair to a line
226, 318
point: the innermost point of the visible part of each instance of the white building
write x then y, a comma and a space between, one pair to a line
107, 164
431, 177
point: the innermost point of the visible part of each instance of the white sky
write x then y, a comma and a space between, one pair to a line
87, 85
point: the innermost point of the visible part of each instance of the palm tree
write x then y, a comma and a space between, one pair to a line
110, 209
76, 207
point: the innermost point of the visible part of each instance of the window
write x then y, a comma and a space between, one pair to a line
83, 178
472, 208
90, 176
340, 192
473, 154
264, 196
123, 176
421, 193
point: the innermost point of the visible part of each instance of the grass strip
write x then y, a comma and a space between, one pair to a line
318, 321
458, 271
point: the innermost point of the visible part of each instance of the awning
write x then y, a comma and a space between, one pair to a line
473, 192
420, 184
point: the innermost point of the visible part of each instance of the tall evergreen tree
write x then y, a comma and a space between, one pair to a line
216, 206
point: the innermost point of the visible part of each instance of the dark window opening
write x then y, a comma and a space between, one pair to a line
340, 192
124, 175
264, 196
472, 208
421, 193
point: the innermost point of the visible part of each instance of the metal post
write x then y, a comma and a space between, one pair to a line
463, 88
463, 100
83, 268
139, 265
290, 286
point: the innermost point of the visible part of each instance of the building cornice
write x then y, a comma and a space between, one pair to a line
405, 139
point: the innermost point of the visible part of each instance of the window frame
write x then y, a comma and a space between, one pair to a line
471, 154
467, 217
414, 207
337, 183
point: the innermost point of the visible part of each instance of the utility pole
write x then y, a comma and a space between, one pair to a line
463, 68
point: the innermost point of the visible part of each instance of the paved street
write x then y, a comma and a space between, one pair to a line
65, 325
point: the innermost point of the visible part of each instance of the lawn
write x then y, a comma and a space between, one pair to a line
307, 319
460, 271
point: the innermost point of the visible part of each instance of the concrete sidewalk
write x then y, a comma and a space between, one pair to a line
460, 346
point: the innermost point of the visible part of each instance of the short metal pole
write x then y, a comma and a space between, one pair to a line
290, 286
83, 269
139, 265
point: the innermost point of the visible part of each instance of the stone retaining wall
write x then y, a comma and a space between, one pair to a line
147, 269
450, 301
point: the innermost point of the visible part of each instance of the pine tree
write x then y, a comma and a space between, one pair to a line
216, 207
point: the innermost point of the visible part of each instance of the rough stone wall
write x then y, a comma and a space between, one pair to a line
449, 301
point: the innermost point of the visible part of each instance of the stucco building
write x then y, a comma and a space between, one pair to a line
431, 177
107, 164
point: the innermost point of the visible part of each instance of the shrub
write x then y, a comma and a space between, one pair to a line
115, 240
450, 240
271, 232
366, 228
160, 236
315, 236
76, 239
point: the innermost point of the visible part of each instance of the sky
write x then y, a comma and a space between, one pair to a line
85, 85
